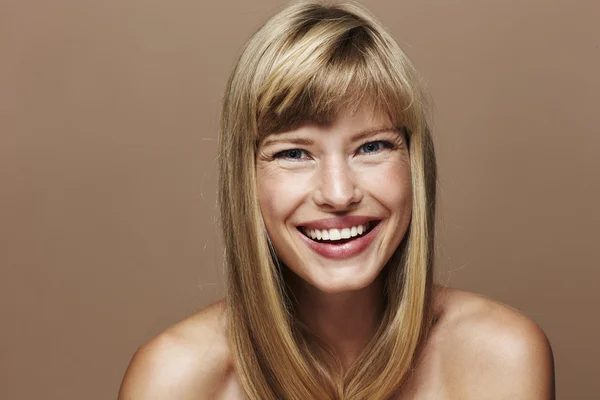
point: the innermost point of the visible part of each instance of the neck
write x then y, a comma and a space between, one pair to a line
344, 321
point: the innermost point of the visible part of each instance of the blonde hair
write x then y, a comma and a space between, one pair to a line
308, 63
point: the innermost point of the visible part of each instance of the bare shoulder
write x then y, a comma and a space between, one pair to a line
189, 360
491, 350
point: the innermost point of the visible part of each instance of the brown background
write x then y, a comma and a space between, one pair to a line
108, 126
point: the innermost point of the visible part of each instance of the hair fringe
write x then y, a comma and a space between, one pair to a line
308, 63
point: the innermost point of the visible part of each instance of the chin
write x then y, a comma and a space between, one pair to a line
343, 280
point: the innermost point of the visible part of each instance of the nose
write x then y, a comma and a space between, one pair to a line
337, 188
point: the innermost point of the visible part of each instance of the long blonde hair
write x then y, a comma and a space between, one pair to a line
307, 63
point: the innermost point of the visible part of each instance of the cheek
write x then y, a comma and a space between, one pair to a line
267, 193
390, 183
278, 195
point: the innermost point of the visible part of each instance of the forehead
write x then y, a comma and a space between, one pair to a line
316, 105
360, 119
360, 122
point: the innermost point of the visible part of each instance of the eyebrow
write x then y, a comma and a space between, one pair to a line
307, 142
373, 131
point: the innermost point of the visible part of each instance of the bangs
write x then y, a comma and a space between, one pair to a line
332, 67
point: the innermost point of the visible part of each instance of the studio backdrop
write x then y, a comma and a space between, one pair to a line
108, 139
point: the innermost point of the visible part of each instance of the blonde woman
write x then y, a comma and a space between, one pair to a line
327, 197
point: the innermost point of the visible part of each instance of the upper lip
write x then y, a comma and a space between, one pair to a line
338, 222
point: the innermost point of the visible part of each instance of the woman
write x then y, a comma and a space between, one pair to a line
327, 198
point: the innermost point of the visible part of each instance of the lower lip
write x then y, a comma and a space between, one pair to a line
345, 250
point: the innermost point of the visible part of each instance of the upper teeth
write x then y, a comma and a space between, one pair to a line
336, 234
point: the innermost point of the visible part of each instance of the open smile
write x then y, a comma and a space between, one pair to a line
336, 235
340, 242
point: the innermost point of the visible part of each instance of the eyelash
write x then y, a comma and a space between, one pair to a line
384, 143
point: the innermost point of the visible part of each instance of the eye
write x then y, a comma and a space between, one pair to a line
376, 146
294, 154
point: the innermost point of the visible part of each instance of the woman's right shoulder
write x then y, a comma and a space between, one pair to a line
189, 360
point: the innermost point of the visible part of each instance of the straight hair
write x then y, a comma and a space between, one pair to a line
310, 62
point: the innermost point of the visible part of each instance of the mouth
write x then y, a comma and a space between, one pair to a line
339, 235
340, 243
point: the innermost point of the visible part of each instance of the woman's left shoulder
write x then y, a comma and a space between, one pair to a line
492, 346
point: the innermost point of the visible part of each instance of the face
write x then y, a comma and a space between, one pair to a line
336, 199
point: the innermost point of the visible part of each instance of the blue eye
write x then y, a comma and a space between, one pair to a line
294, 154
374, 147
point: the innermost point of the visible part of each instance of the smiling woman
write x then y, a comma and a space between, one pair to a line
350, 202
327, 198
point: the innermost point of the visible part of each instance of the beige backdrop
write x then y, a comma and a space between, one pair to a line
108, 126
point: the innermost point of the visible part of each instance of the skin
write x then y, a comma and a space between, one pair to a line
318, 172
477, 349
